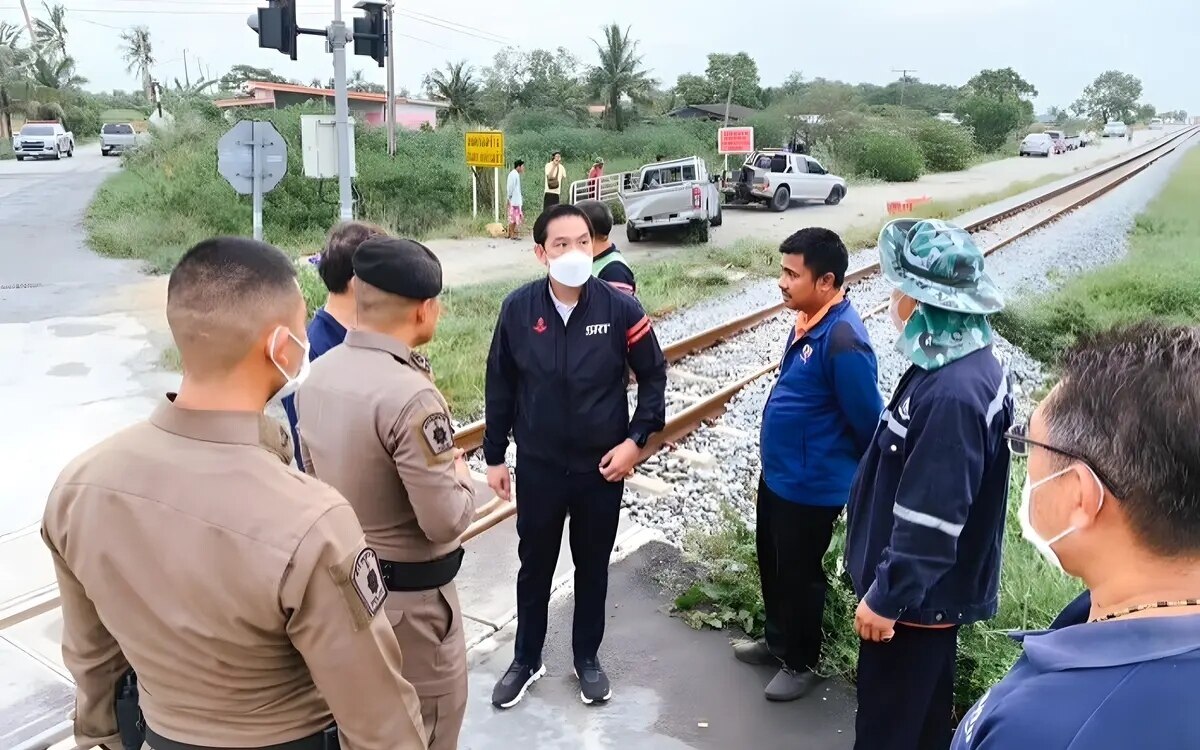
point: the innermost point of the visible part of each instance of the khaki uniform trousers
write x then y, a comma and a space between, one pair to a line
429, 628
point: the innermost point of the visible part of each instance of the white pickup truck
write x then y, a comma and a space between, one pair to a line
43, 138
116, 137
776, 178
670, 194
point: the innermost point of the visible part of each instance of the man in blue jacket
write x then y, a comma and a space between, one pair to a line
1112, 496
926, 514
557, 378
817, 424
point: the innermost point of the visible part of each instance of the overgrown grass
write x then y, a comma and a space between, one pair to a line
122, 115
1159, 279
729, 596
866, 235
459, 350
6, 151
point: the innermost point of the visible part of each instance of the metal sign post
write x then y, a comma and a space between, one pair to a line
496, 194
252, 157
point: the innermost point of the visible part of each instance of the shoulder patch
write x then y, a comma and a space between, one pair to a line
368, 581
420, 361
438, 433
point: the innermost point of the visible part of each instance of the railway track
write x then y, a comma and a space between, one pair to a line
993, 231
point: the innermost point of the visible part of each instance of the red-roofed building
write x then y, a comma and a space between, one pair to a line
410, 113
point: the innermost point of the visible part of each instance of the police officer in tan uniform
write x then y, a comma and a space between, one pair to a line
241, 591
374, 426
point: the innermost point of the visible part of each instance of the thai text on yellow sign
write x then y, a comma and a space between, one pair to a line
485, 148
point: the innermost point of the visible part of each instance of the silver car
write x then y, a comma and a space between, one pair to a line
1038, 144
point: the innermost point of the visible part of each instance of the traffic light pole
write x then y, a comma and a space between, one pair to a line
391, 79
338, 37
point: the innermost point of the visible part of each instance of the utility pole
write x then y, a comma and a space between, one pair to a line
29, 24
903, 80
728, 103
186, 80
338, 36
391, 80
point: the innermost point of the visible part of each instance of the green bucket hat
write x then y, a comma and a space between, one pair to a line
938, 264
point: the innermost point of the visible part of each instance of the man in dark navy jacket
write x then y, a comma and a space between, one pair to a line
556, 379
1112, 496
817, 424
926, 514
328, 327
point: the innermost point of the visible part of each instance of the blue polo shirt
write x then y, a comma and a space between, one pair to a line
324, 333
821, 414
1117, 685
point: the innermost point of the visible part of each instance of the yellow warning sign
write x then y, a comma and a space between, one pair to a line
485, 148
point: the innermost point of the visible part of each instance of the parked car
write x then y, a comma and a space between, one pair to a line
1156, 123
1063, 142
1116, 129
117, 137
776, 178
43, 138
669, 194
1038, 144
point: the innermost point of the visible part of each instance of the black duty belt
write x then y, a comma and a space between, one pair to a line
326, 739
421, 576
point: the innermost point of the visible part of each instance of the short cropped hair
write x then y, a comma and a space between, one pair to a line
334, 264
518, 163
222, 294
599, 216
823, 251
1127, 403
541, 225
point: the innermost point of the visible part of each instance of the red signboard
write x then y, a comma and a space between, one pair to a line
735, 140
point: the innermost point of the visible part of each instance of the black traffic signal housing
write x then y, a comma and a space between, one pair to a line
370, 32
277, 27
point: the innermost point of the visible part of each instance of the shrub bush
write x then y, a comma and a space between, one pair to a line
886, 155
946, 147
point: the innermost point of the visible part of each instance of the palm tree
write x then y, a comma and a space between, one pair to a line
619, 74
14, 63
139, 55
52, 35
456, 85
56, 74
194, 89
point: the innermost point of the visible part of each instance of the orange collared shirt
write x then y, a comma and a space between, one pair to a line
804, 323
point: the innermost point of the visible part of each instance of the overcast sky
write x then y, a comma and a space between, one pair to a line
1058, 45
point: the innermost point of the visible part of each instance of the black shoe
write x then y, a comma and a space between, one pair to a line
790, 684
754, 652
512, 686
593, 683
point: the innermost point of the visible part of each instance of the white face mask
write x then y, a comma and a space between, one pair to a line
293, 382
573, 268
894, 314
1046, 546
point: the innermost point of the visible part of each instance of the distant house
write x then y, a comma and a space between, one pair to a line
410, 113
715, 112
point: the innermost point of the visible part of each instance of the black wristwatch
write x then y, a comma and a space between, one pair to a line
639, 438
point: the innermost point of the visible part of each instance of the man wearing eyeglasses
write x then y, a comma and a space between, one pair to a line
926, 515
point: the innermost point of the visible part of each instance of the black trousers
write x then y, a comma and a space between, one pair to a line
549, 199
546, 497
906, 690
792, 539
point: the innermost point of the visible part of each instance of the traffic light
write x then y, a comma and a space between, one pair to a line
276, 26
370, 31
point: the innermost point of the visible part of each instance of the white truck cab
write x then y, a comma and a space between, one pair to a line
43, 138
776, 178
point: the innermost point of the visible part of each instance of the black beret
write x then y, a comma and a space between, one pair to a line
402, 267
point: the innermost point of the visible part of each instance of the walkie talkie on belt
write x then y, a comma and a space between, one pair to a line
129, 714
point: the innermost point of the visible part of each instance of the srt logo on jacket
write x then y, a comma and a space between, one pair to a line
595, 329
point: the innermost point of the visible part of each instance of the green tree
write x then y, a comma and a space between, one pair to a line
51, 34
824, 97
139, 55
693, 89
1146, 112
1002, 84
456, 85
14, 65
1112, 96
619, 74
1060, 115
56, 74
739, 71
540, 79
241, 74
993, 120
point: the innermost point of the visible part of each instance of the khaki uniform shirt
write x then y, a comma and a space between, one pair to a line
240, 590
373, 425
